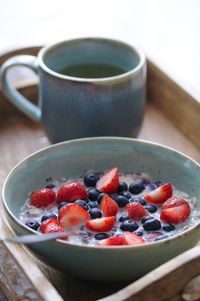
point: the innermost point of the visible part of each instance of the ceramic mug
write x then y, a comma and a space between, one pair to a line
106, 101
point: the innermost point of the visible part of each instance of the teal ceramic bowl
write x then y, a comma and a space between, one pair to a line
73, 158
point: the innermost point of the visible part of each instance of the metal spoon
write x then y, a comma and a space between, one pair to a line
34, 238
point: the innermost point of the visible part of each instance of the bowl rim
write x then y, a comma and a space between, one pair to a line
82, 140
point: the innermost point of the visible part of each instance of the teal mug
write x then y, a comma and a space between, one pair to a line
87, 87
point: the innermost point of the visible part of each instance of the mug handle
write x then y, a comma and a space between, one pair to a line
13, 95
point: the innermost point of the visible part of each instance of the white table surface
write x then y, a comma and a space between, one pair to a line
168, 30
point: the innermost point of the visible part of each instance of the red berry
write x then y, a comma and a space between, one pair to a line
102, 224
109, 182
133, 239
51, 225
160, 194
135, 210
108, 206
112, 241
43, 197
71, 191
72, 214
175, 210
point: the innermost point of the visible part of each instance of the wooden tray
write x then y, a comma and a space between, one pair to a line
172, 117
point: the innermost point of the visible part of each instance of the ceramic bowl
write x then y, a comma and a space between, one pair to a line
73, 158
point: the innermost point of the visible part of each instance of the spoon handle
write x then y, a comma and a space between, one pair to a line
34, 238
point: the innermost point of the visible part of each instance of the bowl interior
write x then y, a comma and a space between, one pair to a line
73, 158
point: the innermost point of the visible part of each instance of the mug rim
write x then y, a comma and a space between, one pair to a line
129, 73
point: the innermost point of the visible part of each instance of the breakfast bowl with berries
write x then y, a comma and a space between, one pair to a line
126, 205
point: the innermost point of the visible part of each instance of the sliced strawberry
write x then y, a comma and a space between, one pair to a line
71, 191
112, 241
160, 194
175, 210
109, 182
135, 210
43, 197
51, 225
108, 206
72, 214
102, 224
133, 239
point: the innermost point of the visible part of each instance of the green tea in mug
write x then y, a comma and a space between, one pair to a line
92, 70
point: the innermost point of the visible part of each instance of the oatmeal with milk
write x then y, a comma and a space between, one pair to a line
110, 208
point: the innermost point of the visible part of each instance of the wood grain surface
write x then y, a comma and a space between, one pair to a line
177, 105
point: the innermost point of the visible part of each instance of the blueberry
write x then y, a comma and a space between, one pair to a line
83, 228
146, 218
100, 197
100, 236
82, 203
114, 196
93, 194
48, 215
33, 225
139, 200
122, 187
152, 224
158, 183
50, 186
151, 208
126, 194
123, 218
161, 237
142, 202
90, 179
60, 204
93, 204
139, 233
169, 228
121, 201
95, 213
136, 187
129, 225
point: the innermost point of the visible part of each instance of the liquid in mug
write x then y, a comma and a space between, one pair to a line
92, 70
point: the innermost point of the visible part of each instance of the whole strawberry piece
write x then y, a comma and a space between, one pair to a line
43, 197
72, 214
51, 225
102, 224
108, 206
132, 238
112, 241
135, 210
175, 210
109, 182
160, 194
71, 191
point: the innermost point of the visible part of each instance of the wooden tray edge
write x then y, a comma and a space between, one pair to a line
174, 102
17, 269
